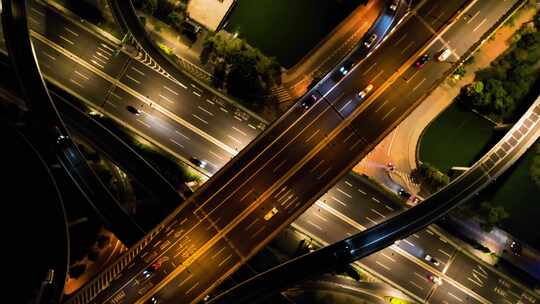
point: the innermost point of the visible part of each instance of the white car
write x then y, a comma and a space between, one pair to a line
432, 260
444, 54
434, 279
365, 91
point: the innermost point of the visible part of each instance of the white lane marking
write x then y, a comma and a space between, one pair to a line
454, 296
76, 82
166, 98
237, 118
246, 195
170, 90
348, 184
49, 55
205, 110
193, 286
314, 225
217, 253
31, 19
102, 56
345, 105
474, 16
312, 135
37, 12
418, 275
176, 143
223, 109
137, 70
480, 273
369, 69
477, 283
196, 87
321, 217
71, 31
225, 260
419, 84
388, 113
239, 131
344, 193
389, 208
210, 102
107, 47
111, 104
133, 79
382, 265
400, 39
106, 51
147, 125
388, 257
378, 213
479, 25
416, 285
216, 155
252, 126
206, 122
429, 231
196, 93
81, 75
443, 240
407, 47
409, 242
381, 105
416, 235
99, 59
316, 166
182, 85
66, 40
234, 138
348, 137
377, 75
371, 220
251, 224
257, 232
339, 201
482, 269
324, 173
279, 166
444, 252
373, 198
364, 193
178, 132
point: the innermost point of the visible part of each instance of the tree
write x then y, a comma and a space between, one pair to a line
175, 19
242, 80
149, 6
493, 215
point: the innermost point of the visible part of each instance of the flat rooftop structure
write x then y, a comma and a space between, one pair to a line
209, 13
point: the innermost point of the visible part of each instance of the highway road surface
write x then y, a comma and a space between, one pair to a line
185, 118
291, 164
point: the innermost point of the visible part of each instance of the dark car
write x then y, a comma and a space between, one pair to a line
370, 40
346, 68
422, 61
403, 193
516, 247
309, 101
133, 110
197, 162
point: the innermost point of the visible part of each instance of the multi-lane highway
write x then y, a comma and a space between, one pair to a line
288, 166
353, 205
183, 117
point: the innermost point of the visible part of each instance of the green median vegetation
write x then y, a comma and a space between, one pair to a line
393, 300
534, 169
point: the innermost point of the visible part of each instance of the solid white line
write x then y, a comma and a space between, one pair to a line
205, 110
170, 90
206, 122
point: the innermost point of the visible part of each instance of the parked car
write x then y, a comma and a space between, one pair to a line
370, 40
271, 213
197, 162
403, 193
422, 61
432, 260
444, 54
365, 91
516, 247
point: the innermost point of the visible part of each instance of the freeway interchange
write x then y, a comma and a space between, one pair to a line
216, 231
